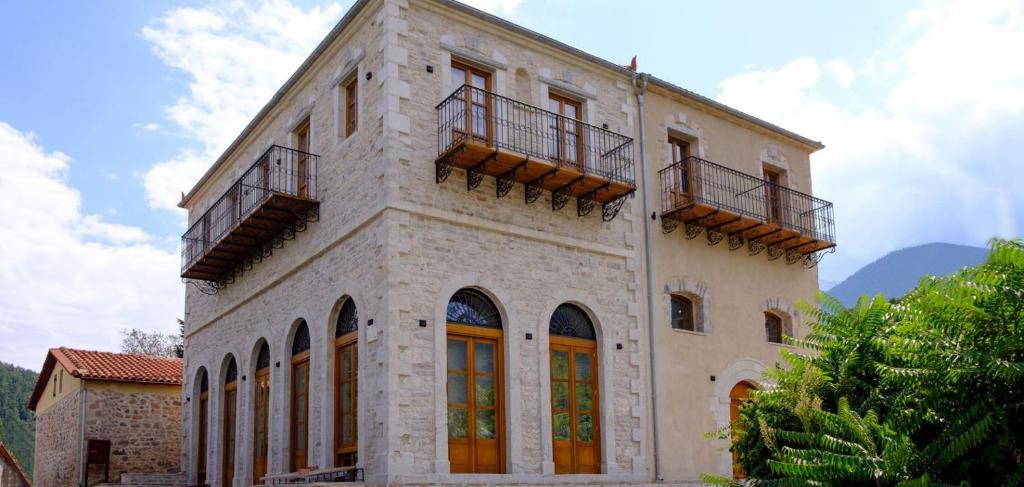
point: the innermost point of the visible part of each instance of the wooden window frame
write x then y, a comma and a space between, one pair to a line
204, 434
230, 440
468, 128
303, 132
572, 346
351, 107
580, 163
691, 303
778, 321
471, 334
774, 204
342, 451
295, 462
260, 418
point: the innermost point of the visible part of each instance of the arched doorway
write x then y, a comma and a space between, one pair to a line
476, 435
575, 407
737, 395
261, 410
230, 415
299, 437
346, 390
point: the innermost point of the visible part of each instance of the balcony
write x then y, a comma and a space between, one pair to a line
272, 201
490, 135
742, 209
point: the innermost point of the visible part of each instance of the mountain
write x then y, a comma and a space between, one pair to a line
899, 271
17, 423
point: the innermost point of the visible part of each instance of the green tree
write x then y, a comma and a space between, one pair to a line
927, 390
17, 423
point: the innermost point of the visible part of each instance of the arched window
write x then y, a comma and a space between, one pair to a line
476, 436
575, 408
346, 391
204, 422
772, 327
737, 396
230, 415
687, 313
261, 410
300, 398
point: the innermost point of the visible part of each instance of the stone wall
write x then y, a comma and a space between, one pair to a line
143, 428
57, 460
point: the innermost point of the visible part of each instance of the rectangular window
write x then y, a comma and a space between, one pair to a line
773, 196
351, 107
682, 314
773, 328
301, 173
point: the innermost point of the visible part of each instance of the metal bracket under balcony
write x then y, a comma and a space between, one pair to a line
489, 135
731, 206
272, 202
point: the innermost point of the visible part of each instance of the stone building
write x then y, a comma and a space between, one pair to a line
450, 250
11, 474
102, 414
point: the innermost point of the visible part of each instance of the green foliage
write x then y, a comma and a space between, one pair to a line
17, 423
927, 390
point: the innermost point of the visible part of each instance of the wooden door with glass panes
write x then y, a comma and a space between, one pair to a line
575, 420
476, 120
681, 182
300, 410
475, 425
302, 159
564, 131
346, 436
260, 423
230, 412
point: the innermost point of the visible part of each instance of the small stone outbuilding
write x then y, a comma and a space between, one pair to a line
101, 414
11, 474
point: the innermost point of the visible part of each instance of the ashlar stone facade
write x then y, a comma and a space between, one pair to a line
399, 244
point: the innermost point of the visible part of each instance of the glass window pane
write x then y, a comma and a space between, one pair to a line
458, 77
584, 397
479, 81
346, 396
583, 366
456, 354
346, 362
560, 395
458, 389
458, 423
560, 364
560, 426
484, 391
486, 427
346, 429
483, 357
585, 427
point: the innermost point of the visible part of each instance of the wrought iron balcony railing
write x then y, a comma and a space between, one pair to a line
730, 203
488, 134
272, 200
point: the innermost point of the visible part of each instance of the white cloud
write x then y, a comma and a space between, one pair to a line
235, 57
928, 161
68, 278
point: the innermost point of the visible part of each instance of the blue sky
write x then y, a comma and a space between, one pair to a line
114, 108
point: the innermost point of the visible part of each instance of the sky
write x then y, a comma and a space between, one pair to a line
109, 110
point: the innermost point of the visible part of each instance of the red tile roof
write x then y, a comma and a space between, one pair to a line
109, 366
8, 457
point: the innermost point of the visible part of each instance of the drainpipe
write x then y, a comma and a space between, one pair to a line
640, 85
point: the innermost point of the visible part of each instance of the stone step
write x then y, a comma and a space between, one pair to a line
152, 480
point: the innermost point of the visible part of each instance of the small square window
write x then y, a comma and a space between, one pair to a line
684, 315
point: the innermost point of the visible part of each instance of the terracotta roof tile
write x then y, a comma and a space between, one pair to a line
13, 462
109, 366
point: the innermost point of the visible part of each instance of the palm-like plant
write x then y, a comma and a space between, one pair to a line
926, 391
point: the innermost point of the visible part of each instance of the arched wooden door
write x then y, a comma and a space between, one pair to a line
204, 418
575, 404
230, 415
476, 433
737, 395
346, 390
299, 398
261, 410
